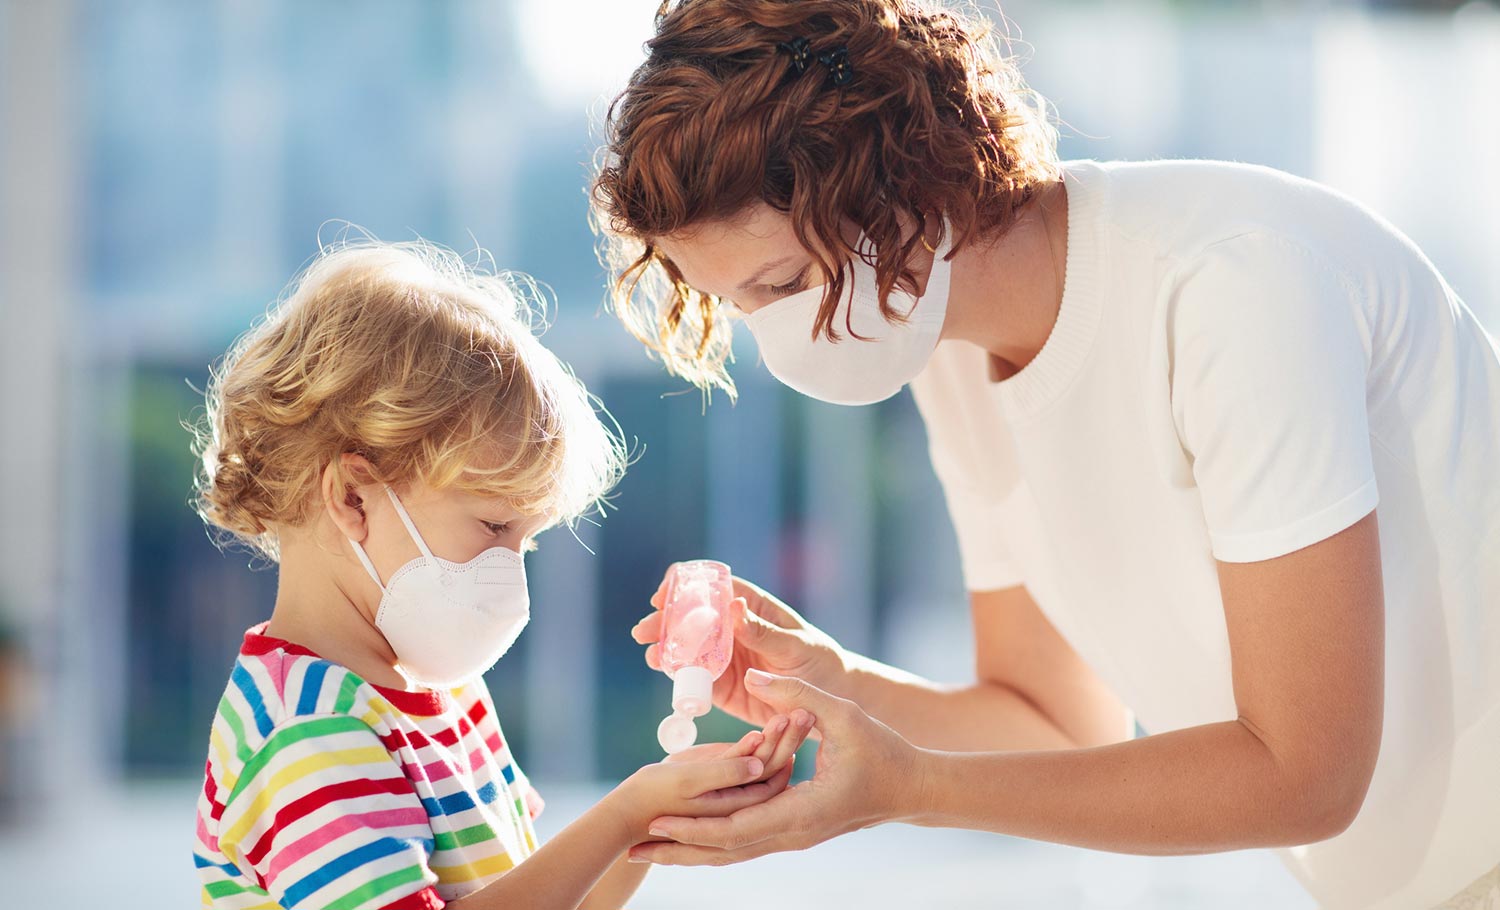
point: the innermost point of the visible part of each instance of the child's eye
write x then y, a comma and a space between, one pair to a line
495, 528
793, 286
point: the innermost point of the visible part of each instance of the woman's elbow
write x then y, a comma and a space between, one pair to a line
1333, 797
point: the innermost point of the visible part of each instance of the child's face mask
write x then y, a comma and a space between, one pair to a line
449, 622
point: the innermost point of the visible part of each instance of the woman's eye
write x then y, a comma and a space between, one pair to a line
496, 528
791, 287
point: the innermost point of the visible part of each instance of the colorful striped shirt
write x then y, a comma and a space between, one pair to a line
323, 790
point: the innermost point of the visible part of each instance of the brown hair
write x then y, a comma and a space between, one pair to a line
936, 119
404, 354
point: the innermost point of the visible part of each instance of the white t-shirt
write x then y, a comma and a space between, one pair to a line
1246, 363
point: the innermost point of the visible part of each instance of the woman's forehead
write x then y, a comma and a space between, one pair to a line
722, 257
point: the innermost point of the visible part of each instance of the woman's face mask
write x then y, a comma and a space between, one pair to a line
855, 370
449, 622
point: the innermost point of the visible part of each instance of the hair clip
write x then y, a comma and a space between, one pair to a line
840, 70
801, 53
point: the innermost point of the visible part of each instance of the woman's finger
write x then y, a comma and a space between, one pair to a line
748, 826
658, 598
648, 629
766, 606
765, 637
668, 853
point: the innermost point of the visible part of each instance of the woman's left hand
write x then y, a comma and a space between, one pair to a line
864, 776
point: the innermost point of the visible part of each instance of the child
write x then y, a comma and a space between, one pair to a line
393, 436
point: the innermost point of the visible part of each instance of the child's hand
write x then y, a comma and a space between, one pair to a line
702, 785
711, 780
776, 746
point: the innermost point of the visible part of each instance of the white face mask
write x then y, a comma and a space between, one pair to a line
447, 621
862, 370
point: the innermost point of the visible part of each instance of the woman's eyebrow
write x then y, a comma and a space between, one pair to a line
761, 272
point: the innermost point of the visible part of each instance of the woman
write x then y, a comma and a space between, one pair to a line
1164, 401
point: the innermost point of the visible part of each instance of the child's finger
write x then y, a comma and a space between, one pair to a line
775, 729
648, 629
702, 777
750, 744
799, 725
720, 803
779, 780
653, 657
715, 751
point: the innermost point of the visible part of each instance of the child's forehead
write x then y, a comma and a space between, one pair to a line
497, 505
487, 500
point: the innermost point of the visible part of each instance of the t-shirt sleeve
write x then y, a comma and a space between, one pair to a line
322, 816
1269, 364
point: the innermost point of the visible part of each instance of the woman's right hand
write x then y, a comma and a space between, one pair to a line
768, 635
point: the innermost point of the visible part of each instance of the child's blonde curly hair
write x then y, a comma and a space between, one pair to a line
427, 367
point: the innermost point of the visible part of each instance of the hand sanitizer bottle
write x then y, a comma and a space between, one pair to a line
696, 640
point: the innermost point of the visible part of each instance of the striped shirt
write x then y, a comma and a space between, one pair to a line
325, 791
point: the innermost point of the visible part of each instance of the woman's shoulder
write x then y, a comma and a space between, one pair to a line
1179, 210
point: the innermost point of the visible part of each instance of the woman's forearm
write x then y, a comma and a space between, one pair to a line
959, 718
1204, 789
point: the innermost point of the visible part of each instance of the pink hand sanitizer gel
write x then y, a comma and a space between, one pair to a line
696, 640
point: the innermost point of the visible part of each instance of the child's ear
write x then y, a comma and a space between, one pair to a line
347, 483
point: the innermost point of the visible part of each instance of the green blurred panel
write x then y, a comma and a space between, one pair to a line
187, 603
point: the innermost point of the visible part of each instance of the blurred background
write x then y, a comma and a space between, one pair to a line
166, 166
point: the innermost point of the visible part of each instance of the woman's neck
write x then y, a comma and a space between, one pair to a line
1006, 293
317, 608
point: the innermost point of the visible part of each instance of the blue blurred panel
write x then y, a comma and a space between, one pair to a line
149, 134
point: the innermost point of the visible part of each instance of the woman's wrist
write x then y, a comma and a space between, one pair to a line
920, 801
877, 687
853, 676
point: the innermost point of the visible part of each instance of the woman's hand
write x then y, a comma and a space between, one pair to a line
712, 779
768, 635
866, 775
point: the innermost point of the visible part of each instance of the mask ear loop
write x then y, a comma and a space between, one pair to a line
364, 557
406, 520
365, 561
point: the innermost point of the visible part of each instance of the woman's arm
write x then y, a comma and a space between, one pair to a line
1032, 690
1306, 634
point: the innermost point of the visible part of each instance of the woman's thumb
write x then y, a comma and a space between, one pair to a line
765, 637
785, 693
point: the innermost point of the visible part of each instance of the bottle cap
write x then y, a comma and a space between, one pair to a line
677, 732
692, 691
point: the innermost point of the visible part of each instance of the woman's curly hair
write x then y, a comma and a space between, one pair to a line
936, 119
